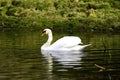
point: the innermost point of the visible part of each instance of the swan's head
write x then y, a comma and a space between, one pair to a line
46, 31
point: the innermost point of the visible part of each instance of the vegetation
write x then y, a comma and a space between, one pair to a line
86, 15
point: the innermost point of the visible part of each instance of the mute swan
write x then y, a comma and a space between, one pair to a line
67, 43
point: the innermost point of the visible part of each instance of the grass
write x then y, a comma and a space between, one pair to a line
89, 15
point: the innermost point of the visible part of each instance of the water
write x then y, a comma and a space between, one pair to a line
22, 59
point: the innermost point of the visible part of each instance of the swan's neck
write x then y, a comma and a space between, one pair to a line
48, 43
50, 38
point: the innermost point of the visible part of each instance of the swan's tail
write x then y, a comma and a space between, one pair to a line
85, 46
88, 45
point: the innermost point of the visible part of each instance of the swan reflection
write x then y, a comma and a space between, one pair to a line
65, 58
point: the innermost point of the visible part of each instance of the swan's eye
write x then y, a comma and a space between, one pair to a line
44, 31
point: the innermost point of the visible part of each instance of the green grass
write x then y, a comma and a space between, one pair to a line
61, 14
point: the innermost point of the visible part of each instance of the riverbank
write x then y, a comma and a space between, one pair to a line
91, 16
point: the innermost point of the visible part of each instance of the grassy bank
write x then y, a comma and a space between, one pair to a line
86, 15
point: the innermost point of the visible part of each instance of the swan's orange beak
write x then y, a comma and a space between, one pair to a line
43, 33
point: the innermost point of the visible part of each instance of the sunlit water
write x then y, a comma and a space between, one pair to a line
22, 59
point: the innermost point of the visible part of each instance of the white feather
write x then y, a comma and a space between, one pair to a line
66, 43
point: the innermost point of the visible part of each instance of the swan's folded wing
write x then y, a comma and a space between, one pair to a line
66, 42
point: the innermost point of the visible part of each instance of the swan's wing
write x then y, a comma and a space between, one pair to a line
66, 42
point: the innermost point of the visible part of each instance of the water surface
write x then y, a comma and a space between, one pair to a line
22, 59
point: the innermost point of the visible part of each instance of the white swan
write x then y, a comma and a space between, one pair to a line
67, 43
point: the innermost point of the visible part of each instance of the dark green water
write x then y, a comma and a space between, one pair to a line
21, 58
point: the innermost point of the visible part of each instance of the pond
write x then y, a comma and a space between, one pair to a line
22, 59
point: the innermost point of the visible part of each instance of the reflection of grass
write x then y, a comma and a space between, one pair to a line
20, 40
110, 43
105, 42
33, 40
